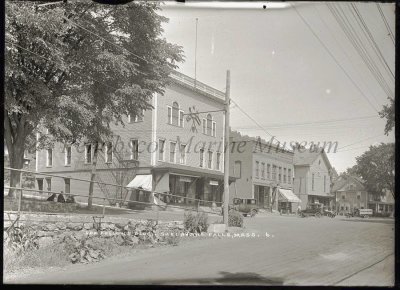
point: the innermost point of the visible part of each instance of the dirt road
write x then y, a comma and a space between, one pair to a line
299, 251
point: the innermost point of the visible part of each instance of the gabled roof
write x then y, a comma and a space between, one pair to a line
343, 181
308, 156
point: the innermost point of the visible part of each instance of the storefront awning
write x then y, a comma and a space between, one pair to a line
144, 182
288, 195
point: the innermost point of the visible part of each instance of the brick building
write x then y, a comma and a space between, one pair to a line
159, 150
312, 170
263, 171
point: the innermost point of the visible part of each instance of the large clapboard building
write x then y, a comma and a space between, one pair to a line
162, 150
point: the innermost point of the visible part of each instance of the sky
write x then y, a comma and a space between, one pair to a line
295, 87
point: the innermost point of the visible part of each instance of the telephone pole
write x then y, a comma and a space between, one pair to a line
226, 149
195, 58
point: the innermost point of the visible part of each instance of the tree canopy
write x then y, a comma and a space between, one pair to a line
388, 112
75, 68
376, 167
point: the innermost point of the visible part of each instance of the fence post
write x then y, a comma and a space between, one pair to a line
19, 197
104, 206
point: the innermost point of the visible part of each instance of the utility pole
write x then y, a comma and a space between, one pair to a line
226, 149
195, 58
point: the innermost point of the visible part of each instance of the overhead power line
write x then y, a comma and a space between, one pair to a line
345, 51
358, 44
359, 141
386, 23
334, 58
280, 125
371, 38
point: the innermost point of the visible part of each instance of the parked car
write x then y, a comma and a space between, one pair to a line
313, 209
246, 206
364, 213
329, 213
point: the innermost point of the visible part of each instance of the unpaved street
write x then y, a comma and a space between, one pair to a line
302, 251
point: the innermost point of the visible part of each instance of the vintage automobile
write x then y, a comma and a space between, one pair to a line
364, 213
329, 213
313, 209
246, 206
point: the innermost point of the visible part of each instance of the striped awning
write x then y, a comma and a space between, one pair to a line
288, 195
144, 182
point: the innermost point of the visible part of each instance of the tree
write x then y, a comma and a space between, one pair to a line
376, 167
388, 112
75, 68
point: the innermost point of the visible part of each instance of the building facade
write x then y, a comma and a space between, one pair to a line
350, 194
263, 171
312, 182
163, 146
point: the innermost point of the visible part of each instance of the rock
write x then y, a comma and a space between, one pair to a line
45, 241
61, 226
49, 227
75, 226
88, 226
111, 226
120, 225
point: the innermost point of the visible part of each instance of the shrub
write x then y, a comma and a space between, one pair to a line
195, 223
235, 219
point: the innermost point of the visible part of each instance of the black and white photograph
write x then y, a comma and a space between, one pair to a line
197, 143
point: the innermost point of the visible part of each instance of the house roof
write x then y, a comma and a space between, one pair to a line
308, 156
342, 181
237, 136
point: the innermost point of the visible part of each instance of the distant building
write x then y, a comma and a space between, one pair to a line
263, 171
312, 171
350, 194
383, 204
158, 150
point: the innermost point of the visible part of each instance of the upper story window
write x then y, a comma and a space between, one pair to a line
182, 159
263, 170
238, 169
284, 175
273, 172
280, 174
202, 157
68, 155
49, 159
257, 169
218, 161
289, 176
88, 153
161, 149
209, 124
209, 127
134, 118
269, 171
109, 154
312, 181
175, 115
214, 129
134, 149
172, 151
210, 159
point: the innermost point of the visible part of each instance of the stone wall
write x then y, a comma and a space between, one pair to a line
49, 227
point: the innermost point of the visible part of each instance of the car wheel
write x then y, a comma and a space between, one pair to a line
318, 215
253, 212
